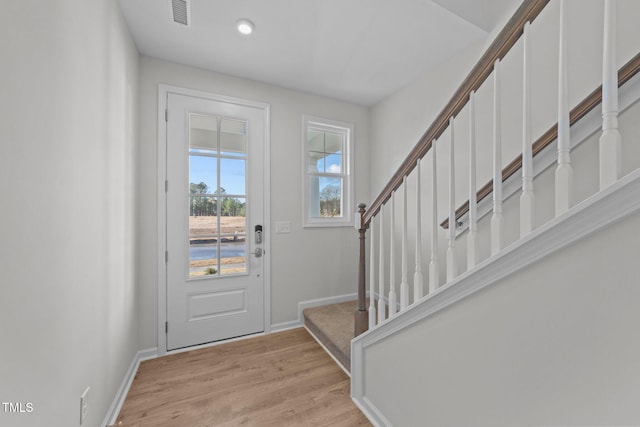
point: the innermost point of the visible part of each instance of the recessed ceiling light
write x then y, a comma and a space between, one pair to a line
245, 26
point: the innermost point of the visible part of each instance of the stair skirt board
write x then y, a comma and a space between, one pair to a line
340, 364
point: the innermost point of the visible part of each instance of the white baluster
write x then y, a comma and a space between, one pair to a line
381, 277
527, 198
404, 284
472, 236
452, 267
372, 277
496, 218
392, 260
418, 280
564, 171
434, 273
610, 140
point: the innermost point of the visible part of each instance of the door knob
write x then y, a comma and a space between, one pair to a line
258, 252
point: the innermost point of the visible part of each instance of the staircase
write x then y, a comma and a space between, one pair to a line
536, 329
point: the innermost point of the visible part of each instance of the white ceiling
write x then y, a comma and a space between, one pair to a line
359, 51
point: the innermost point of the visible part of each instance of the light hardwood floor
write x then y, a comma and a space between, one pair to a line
281, 379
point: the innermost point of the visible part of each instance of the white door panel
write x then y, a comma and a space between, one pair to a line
214, 201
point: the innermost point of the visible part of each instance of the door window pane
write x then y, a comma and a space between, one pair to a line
203, 174
202, 206
233, 137
233, 257
203, 236
232, 176
233, 216
217, 196
203, 133
233, 235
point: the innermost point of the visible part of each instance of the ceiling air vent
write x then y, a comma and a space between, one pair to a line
181, 12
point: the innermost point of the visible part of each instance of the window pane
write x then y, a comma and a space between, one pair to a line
316, 161
325, 196
233, 135
232, 177
324, 151
203, 175
203, 133
333, 142
333, 163
315, 140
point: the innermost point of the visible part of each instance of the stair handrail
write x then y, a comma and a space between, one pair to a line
506, 39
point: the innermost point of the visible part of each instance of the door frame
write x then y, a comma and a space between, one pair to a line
163, 91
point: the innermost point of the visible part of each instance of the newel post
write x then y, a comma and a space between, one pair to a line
361, 320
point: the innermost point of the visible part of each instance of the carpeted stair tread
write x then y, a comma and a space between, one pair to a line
333, 325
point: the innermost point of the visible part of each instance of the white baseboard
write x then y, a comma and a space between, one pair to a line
302, 305
285, 326
121, 394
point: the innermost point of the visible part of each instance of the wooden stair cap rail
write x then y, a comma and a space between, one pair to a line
503, 43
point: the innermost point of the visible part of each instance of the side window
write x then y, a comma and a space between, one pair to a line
328, 172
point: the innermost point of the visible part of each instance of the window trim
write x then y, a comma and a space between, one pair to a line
346, 220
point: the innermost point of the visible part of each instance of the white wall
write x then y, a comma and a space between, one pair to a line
307, 263
68, 301
554, 344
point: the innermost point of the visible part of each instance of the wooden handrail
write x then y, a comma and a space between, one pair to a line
594, 99
507, 38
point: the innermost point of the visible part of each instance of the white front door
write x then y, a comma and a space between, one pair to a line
214, 217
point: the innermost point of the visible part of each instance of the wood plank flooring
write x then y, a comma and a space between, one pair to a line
281, 379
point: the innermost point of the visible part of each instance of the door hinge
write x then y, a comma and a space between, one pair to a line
166, 185
166, 256
166, 327
166, 115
